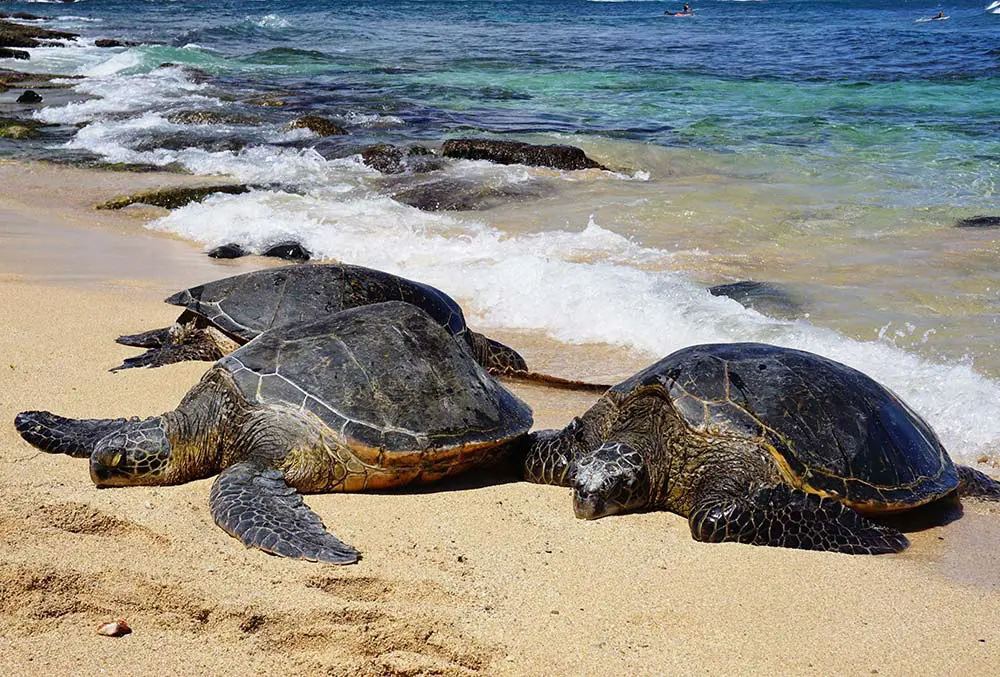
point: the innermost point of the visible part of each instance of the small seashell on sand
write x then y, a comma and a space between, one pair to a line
116, 628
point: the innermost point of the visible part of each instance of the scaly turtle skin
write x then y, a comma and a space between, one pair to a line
222, 315
757, 444
374, 397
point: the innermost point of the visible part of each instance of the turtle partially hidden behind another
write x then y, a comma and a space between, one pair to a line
756, 444
222, 315
374, 397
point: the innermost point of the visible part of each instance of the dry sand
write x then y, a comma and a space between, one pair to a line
466, 578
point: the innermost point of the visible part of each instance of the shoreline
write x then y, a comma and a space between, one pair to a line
463, 578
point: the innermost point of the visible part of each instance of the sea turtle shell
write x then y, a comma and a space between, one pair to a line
246, 305
388, 382
832, 430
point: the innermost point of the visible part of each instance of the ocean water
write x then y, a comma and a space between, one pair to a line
826, 147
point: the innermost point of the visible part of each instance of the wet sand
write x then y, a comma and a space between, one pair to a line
469, 577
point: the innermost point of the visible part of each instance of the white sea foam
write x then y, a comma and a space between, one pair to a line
372, 121
577, 286
268, 21
84, 19
75, 58
116, 94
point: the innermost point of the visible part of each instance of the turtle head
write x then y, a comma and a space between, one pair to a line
136, 454
610, 480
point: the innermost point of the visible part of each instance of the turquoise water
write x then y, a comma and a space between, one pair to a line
820, 85
826, 146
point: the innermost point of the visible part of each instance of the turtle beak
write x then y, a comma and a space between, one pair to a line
591, 506
105, 471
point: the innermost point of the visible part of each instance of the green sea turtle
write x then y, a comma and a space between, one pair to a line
757, 444
373, 397
222, 315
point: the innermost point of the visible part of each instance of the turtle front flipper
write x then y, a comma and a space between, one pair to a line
70, 436
975, 484
258, 507
154, 338
505, 362
789, 518
550, 455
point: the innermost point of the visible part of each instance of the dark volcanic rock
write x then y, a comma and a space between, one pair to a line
289, 251
516, 152
20, 35
181, 139
384, 157
979, 222
30, 96
14, 54
172, 198
18, 129
23, 15
317, 125
10, 78
390, 159
460, 195
107, 42
764, 297
230, 250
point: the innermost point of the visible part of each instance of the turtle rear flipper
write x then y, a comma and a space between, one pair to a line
154, 338
60, 435
790, 518
498, 358
555, 381
197, 345
975, 484
259, 508
505, 362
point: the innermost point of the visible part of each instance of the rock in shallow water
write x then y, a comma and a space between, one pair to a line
14, 54
30, 96
172, 198
230, 250
516, 152
289, 251
316, 125
390, 159
764, 297
211, 117
447, 194
979, 222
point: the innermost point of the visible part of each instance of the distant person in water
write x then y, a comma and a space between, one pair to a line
687, 8
940, 15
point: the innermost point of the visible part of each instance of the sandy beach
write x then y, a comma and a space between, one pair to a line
472, 577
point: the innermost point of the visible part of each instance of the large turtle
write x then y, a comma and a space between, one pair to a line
757, 444
220, 316
374, 397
